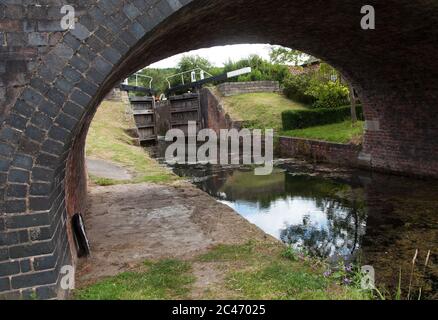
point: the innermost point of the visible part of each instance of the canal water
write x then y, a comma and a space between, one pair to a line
373, 219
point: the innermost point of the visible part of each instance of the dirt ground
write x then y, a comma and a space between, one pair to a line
105, 169
127, 224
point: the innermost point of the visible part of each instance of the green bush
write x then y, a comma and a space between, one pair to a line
261, 70
299, 119
317, 88
295, 88
255, 75
327, 94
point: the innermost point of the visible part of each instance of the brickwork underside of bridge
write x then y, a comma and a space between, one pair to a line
52, 80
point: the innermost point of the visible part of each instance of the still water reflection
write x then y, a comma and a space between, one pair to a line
334, 213
301, 210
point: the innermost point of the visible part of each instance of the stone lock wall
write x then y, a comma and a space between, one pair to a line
235, 88
52, 80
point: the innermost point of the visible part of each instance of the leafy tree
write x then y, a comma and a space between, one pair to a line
282, 55
159, 83
353, 104
261, 69
189, 62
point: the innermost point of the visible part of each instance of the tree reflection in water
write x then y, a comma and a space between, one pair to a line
340, 236
341, 216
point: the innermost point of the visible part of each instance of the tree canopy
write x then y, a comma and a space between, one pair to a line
283, 55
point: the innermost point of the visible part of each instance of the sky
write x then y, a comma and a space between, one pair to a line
219, 55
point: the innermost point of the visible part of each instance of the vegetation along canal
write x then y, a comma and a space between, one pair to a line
338, 214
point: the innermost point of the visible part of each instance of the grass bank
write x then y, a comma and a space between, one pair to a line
250, 271
166, 279
343, 132
263, 110
108, 140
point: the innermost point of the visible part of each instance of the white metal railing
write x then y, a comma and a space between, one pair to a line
136, 79
143, 76
192, 72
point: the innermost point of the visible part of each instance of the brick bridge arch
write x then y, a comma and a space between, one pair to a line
51, 82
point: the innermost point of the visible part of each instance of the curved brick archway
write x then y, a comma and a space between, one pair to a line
51, 82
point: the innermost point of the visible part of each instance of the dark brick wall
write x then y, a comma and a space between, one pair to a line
321, 151
52, 80
213, 114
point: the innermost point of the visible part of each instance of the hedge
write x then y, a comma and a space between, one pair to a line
299, 119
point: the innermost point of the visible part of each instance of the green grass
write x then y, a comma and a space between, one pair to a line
262, 110
107, 140
228, 253
254, 270
344, 132
265, 271
277, 280
105, 181
155, 178
166, 279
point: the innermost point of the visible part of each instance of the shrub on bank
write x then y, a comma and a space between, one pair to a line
299, 119
320, 86
295, 88
328, 94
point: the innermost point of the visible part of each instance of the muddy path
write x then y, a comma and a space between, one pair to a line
128, 224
